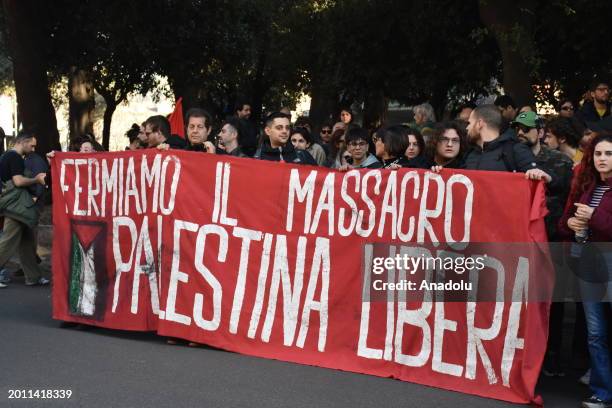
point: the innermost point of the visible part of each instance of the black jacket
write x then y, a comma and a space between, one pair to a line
456, 163
248, 137
287, 154
588, 112
402, 162
502, 154
237, 152
176, 142
419, 162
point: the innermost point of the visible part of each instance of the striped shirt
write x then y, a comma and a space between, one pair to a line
598, 193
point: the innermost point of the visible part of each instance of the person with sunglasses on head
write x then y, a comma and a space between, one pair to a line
565, 108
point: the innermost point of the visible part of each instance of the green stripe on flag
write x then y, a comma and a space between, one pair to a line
76, 269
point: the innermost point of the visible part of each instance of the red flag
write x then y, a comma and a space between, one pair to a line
177, 126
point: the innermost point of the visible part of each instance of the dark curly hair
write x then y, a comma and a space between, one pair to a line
568, 128
588, 175
438, 133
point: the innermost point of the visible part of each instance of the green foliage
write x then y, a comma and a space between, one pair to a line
6, 65
573, 37
273, 50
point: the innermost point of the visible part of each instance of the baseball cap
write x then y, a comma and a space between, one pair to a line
529, 119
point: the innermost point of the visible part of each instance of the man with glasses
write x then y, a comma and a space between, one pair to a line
566, 108
157, 133
357, 142
599, 107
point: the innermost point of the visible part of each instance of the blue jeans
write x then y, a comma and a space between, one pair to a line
599, 351
595, 282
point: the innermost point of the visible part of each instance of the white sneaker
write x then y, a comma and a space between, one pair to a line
2, 285
5, 276
586, 378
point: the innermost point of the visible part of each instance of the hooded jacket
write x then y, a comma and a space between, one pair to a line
370, 162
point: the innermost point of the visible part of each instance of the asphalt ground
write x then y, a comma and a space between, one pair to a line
111, 368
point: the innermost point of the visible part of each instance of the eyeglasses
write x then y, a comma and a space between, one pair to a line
567, 108
328, 131
447, 140
524, 128
358, 144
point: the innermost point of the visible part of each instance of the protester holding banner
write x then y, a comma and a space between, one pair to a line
230, 136
357, 142
301, 138
447, 146
492, 151
198, 125
590, 220
157, 132
416, 144
275, 144
529, 128
390, 145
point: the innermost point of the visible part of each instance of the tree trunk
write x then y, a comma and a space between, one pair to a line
188, 90
111, 105
29, 71
438, 102
322, 105
81, 103
375, 109
502, 17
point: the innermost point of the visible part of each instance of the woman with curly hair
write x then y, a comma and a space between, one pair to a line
588, 218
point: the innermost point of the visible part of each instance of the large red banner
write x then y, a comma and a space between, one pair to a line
275, 260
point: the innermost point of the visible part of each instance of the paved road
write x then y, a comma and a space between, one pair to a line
106, 368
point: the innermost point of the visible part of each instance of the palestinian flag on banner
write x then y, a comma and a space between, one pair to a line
83, 283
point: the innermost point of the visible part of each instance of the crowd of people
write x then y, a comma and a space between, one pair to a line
570, 151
